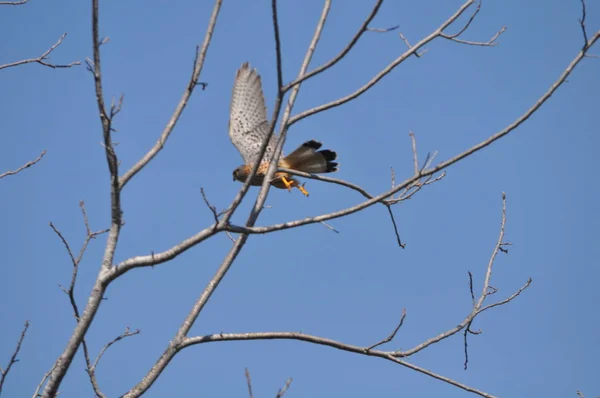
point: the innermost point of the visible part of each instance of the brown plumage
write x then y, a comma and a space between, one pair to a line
305, 158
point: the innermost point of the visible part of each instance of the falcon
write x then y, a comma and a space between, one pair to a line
249, 127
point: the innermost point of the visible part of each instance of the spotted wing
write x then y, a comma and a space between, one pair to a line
248, 124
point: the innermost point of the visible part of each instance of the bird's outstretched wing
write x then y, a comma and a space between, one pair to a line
248, 124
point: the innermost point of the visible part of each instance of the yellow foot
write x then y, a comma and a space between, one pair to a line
301, 188
288, 184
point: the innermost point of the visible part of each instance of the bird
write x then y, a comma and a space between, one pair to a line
249, 127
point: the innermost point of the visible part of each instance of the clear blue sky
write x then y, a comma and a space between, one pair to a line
349, 286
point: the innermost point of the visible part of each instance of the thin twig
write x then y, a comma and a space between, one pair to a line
36, 393
125, 334
330, 227
466, 345
382, 30
64, 241
414, 151
392, 335
471, 19
490, 43
582, 24
249, 382
455, 36
393, 219
13, 358
212, 208
91, 368
25, 166
71, 291
509, 298
471, 287
405, 40
42, 58
277, 45
116, 108
282, 391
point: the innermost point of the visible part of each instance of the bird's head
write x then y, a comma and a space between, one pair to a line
240, 174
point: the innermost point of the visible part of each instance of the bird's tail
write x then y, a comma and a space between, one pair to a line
306, 158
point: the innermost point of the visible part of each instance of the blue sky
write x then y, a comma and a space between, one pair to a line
349, 286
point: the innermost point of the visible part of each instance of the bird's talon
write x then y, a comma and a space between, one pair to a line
304, 191
288, 184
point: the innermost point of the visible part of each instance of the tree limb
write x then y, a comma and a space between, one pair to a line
91, 367
25, 166
164, 136
413, 50
42, 59
13, 358
393, 356
13, 3
362, 29
387, 355
63, 362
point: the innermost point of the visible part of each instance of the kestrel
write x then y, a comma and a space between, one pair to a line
249, 127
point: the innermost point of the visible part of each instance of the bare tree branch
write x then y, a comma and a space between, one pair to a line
13, 358
362, 29
164, 136
159, 258
71, 291
64, 361
66, 358
42, 59
212, 208
25, 166
393, 356
392, 335
91, 368
76, 260
388, 355
437, 33
471, 19
490, 43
